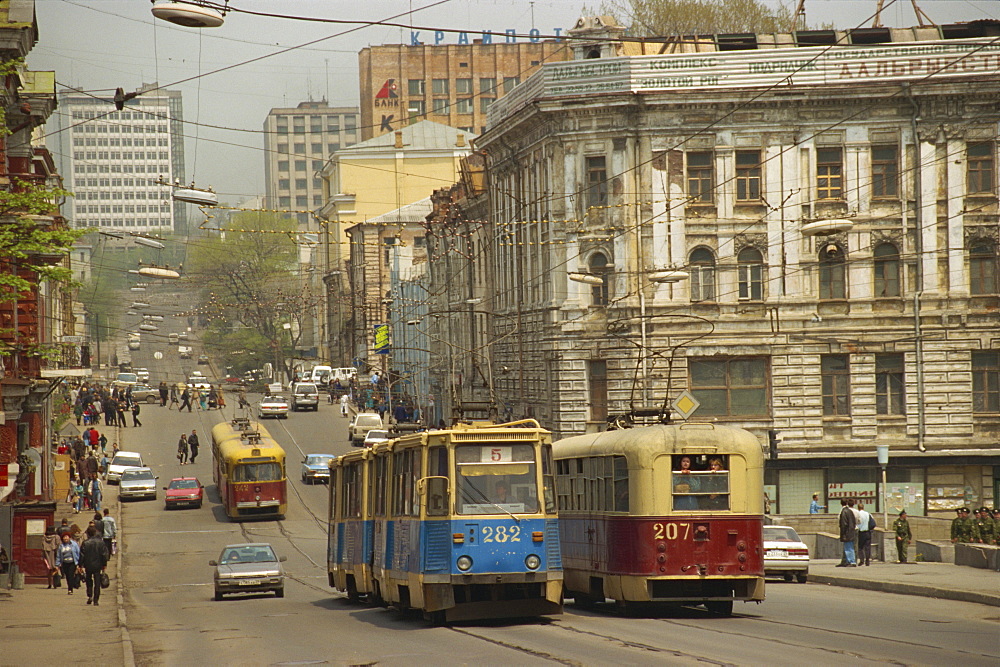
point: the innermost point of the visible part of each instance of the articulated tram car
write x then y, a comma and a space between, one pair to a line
460, 524
662, 514
249, 469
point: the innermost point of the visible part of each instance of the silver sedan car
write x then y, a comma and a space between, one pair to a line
272, 406
137, 483
248, 568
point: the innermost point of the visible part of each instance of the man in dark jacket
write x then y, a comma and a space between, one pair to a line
848, 532
94, 560
193, 444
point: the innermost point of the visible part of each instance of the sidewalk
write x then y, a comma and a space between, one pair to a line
36, 617
935, 580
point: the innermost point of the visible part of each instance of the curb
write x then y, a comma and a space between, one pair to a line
907, 589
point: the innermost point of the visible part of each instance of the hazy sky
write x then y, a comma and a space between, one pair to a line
99, 45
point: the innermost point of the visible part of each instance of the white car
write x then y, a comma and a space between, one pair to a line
361, 424
125, 379
143, 375
785, 554
199, 382
272, 406
375, 436
120, 462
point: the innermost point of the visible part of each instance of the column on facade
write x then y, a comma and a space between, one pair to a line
927, 163
958, 277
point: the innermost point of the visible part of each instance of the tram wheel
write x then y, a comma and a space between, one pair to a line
801, 577
436, 618
720, 607
788, 577
582, 600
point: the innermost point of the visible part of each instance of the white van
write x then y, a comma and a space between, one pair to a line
173, 339
320, 375
344, 374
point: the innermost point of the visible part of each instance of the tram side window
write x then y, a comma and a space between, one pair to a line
547, 479
404, 483
351, 500
380, 484
700, 482
437, 488
621, 484
563, 491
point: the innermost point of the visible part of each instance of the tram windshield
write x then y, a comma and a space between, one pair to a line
257, 472
700, 482
496, 479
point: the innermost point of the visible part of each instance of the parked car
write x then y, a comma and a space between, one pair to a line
184, 492
202, 359
304, 395
785, 554
316, 468
142, 374
183, 335
173, 339
375, 436
248, 568
120, 462
137, 483
361, 424
272, 406
143, 392
125, 379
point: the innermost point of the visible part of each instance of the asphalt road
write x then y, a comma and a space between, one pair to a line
172, 618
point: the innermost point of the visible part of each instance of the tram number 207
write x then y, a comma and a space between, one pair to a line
671, 531
501, 534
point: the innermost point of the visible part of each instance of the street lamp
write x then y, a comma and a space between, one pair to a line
883, 460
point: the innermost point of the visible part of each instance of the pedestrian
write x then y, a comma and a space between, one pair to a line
94, 559
814, 506
185, 400
220, 399
111, 412
78, 497
50, 545
182, 449
98, 522
95, 438
164, 394
135, 414
901, 527
213, 398
848, 525
203, 400
64, 529
345, 401
103, 441
193, 444
961, 526
242, 399
121, 413
110, 530
984, 526
173, 398
866, 525
96, 492
78, 411
68, 555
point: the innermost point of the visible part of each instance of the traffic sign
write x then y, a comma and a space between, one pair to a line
685, 404
157, 355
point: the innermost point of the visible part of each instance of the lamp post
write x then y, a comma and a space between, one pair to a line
883, 460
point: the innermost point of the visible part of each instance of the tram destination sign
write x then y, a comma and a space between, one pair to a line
784, 68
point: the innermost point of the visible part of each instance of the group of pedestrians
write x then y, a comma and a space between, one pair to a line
95, 403
88, 461
857, 527
70, 556
187, 447
194, 397
982, 528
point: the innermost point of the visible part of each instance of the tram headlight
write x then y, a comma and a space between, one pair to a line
533, 562
464, 563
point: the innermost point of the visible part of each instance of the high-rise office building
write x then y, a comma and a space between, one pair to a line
115, 161
298, 141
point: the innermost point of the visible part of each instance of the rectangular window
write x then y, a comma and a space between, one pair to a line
439, 86
464, 105
317, 200
282, 165
488, 86
316, 124
597, 181
699, 176
485, 103
317, 147
283, 183
747, 175
416, 109
597, 379
300, 183
415, 87
333, 123
700, 483
441, 106
317, 183
885, 171
350, 123
835, 370
300, 148
463, 86
317, 165
300, 165
890, 396
730, 387
751, 281
829, 173
509, 82
302, 200
986, 381
980, 166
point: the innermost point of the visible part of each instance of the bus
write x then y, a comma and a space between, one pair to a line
248, 467
460, 523
665, 513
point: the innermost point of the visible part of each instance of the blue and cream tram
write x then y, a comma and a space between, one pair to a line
459, 523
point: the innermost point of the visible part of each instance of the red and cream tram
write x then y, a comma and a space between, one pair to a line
662, 514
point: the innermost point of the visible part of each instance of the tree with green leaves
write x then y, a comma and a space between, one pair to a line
252, 293
659, 18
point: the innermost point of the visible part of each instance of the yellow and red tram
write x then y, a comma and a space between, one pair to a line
248, 467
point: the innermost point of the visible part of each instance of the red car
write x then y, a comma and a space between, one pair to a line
184, 491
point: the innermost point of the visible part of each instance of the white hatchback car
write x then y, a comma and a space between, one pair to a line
120, 462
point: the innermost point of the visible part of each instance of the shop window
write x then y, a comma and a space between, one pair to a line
829, 173
986, 381
836, 373
890, 388
886, 265
733, 387
702, 275
699, 176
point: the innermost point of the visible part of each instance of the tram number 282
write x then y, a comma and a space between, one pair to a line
671, 531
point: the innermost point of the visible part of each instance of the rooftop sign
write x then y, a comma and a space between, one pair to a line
786, 68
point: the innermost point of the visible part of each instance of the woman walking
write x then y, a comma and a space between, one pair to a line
68, 555
50, 545
182, 449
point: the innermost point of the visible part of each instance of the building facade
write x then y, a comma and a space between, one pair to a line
452, 84
120, 164
801, 230
298, 141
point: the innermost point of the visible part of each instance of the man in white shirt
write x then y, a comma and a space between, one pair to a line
864, 535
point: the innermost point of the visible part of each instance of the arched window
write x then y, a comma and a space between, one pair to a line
832, 273
886, 271
983, 268
751, 274
599, 267
702, 271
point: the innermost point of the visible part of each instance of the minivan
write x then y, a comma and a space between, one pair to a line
304, 395
361, 424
